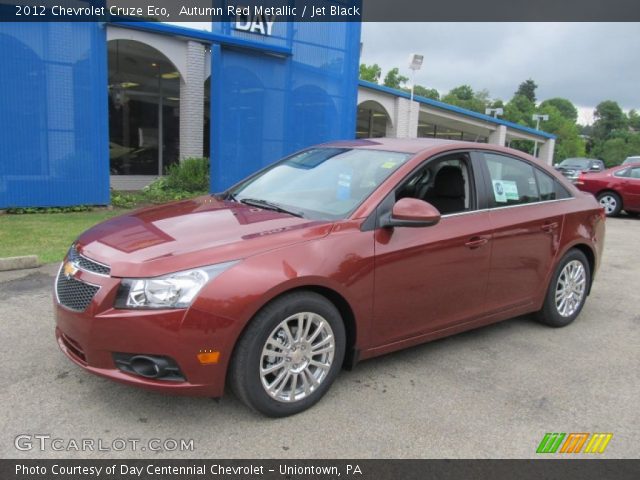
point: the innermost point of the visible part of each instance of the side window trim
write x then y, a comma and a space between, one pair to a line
482, 179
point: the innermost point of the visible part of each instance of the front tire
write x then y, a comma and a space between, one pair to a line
567, 291
611, 202
289, 355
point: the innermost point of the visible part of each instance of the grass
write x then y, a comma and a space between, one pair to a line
47, 235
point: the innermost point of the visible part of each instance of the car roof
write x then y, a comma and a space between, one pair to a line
406, 145
582, 158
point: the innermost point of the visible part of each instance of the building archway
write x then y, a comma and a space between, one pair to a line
144, 109
373, 120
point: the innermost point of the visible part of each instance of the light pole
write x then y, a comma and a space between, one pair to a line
537, 117
415, 63
494, 112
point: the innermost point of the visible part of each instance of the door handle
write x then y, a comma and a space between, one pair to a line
475, 242
549, 227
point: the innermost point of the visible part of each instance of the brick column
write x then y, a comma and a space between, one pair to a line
192, 102
498, 136
406, 118
545, 153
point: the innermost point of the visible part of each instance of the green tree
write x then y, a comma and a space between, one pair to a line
464, 96
393, 79
568, 142
634, 119
564, 107
519, 110
421, 91
527, 89
615, 149
609, 117
370, 73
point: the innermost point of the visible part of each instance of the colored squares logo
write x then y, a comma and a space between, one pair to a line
574, 443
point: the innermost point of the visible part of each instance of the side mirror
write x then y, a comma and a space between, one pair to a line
411, 212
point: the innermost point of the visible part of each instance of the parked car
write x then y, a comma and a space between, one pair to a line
634, 159
616, 189
573, 167
336, 254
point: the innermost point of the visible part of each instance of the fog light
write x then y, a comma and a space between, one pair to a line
155, 367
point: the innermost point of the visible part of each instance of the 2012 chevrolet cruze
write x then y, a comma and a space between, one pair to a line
336, 254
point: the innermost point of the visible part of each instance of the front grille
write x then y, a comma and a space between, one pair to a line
87, 264
74, 294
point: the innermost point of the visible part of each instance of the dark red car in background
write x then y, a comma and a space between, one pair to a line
336, 254
616, 188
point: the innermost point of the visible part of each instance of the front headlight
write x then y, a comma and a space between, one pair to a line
176, 290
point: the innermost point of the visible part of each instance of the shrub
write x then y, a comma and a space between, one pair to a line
26, 210
190, 175
124, 200
187, 179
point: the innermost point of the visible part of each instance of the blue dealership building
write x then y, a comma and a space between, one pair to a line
89, 106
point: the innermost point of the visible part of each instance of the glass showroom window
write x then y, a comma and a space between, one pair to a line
372, 120
144, 109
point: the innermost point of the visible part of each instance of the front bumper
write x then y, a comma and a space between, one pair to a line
90, 338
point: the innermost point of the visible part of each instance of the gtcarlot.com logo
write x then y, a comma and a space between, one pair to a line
574, 443
44, 442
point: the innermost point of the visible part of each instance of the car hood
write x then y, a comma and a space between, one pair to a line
192, 233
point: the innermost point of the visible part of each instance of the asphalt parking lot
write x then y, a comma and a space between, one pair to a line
489, 393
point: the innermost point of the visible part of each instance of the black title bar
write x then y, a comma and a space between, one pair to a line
585, 469
321, 10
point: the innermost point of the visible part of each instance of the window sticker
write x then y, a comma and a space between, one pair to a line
344, 186
389, 164
505, 190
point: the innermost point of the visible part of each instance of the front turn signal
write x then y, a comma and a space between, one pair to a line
207, 357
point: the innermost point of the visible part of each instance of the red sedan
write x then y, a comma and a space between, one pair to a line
336, 254
616, 189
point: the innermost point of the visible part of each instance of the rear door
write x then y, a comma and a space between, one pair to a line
527, 223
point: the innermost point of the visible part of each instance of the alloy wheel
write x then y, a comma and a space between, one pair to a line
297, 357
570, 288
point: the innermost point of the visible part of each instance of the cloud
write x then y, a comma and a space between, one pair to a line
584, 62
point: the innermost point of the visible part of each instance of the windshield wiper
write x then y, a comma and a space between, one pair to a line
257, 202
230, 196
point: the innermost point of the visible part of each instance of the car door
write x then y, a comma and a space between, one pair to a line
430, 278
630, 189
527, 224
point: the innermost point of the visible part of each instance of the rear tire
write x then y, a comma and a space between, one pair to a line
611, 202
289, 355
567, 291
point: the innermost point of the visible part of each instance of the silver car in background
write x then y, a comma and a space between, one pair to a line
573, 167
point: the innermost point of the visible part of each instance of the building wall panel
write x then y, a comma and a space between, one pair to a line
53, 128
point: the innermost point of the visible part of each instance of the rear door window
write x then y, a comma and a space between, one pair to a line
513, 181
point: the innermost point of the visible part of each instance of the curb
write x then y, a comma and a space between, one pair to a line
19, 263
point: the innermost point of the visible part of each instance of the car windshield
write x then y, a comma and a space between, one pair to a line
320, 183
575, 162
632, 160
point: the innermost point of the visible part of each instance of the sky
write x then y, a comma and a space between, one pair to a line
583, 62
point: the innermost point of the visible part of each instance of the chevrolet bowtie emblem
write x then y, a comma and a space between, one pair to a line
69, 270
